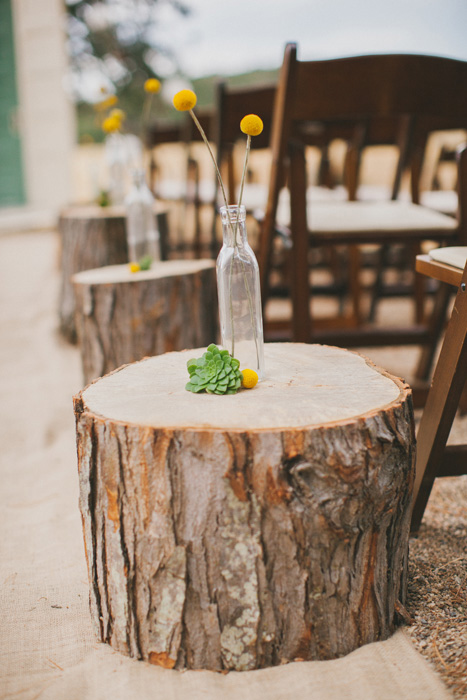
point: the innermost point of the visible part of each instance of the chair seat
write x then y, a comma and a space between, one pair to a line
452, 255
255, 195
338, 221
445, 201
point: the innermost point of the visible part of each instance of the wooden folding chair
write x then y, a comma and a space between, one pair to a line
434, 458
405, 87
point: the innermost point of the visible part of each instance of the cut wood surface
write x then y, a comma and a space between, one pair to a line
91, 236
123, 316
244, 531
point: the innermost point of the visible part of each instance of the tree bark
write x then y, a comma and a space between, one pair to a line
122, 316
246, 531
91, 237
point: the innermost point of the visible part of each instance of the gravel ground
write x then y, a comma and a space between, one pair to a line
437, 585
437, 590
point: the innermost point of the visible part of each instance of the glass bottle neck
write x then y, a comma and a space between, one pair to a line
138, 178
237, 228
234, 226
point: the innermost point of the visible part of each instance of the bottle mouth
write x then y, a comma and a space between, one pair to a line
234, 212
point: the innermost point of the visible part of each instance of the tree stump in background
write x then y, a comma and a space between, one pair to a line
240, 532
92, 236
123, 316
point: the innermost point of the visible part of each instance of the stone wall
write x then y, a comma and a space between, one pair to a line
47, 122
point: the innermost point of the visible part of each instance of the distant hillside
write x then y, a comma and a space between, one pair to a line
205, 87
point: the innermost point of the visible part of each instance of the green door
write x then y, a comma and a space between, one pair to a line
11, 171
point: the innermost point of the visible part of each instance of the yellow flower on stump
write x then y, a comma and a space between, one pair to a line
111, 125
184, 100
134, 267
152, 85
251, 125
249, 378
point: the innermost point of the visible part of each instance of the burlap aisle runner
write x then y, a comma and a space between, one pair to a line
47, 648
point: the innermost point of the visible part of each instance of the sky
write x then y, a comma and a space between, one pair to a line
229, 37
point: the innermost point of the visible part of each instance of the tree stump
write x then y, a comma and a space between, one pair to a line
240, 532
91, 236
123, 316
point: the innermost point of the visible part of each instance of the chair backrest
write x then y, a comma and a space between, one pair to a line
377, 85
232, 104
431, 90
428, 92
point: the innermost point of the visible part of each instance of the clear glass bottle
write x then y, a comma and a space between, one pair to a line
116, 162
239, 294
141, 230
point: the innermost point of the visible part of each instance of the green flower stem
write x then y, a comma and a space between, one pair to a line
234, 233
230, 301
218, 173
242, 181
146, 112
248, 293
252, 316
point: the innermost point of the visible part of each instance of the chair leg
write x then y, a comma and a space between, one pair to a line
193, 175
352, 169
377, 288
463, 401
299, 284
437, 324
442, 402
419, 284
355, 265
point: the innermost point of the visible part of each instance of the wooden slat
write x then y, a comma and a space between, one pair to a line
438, 271
353, 337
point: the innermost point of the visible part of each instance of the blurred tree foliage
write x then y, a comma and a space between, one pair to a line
112, 45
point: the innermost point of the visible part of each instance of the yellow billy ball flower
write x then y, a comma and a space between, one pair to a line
249, 378
118, 114
134, 267
111, 101
111, 124
251, 125
152, 85
184, 100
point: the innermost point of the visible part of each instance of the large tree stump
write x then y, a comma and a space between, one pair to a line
91, 236
123, 316
239, 532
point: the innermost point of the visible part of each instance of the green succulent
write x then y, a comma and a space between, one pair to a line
145, 262
216, 372
103, 199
